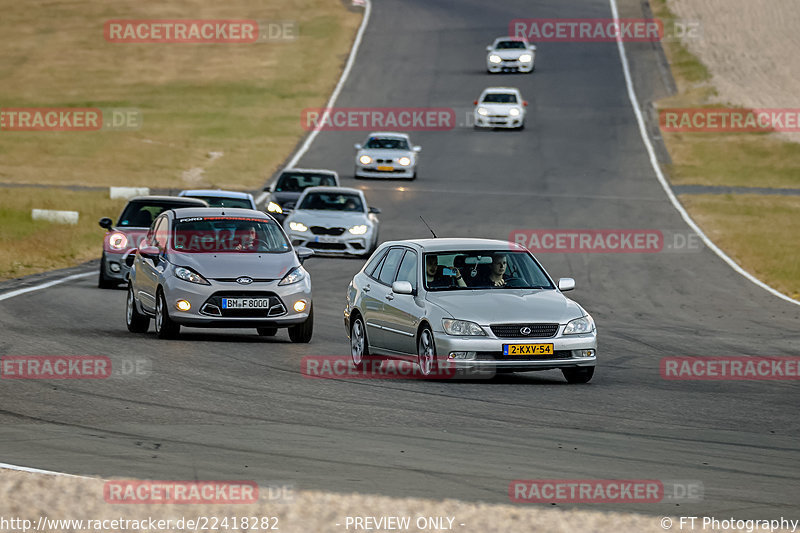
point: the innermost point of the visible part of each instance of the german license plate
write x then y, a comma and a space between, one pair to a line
326, 239
386, 169
245, 303
528, 349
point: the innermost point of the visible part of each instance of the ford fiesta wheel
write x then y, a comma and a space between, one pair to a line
166, 328
136, 321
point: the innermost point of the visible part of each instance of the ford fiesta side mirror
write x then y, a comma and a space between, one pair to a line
106, 223
303, 253
149, 252
402, 287
566, 284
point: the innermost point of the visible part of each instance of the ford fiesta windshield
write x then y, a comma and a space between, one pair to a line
224, 234
490, 269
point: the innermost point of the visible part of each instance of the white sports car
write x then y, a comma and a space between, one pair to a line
387, 155
509, 54
333, 220
500, 107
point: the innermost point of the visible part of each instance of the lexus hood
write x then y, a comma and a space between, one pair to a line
504, 306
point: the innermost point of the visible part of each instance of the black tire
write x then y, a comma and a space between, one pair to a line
102, 281
301, 333
359, 343
426, 352
267, 332
578, 375
166, 328
136, 321
412, 178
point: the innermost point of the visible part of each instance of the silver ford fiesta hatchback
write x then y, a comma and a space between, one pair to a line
219, 268
470, 304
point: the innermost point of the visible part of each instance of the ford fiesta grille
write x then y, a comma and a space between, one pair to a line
531, 331
213, 306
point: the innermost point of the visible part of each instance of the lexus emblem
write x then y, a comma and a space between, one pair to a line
244, 280
525, 330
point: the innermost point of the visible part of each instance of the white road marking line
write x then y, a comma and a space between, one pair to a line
663, 181
7, 466
351, 59
17, 292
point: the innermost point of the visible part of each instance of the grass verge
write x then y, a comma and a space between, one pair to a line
760, 233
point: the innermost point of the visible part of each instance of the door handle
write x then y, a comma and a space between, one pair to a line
367, 289
389, 297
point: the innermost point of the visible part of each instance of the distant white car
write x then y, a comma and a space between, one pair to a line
500, 107
333, 220
387, 155
510, 54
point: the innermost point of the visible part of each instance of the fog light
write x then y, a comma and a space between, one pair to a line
183, 305
300, 306
114, 267
583, 353
461, 355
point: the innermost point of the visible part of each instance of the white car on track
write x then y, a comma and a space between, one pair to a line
387, 155
500, 107
333, 220
510, 54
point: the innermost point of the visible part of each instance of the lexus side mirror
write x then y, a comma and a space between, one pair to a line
402, 287
566, 284
106, 223
303, 253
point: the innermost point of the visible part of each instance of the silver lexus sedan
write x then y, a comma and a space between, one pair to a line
475, 304
219, 268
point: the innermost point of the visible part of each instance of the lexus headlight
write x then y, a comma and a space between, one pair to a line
187, 274
358, 230
365, 160
294, 275
405, 161
272, 207
514, 112
494, 58
117, 241
580, 326
462, 327
483, 111
298, 226
525, 58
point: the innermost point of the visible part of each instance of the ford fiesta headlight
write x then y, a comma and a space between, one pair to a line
361, 229
405, 161
525, 58
514, 112
272, 207
580, 326
187, 274
298, 226
494, 58
365, 159
462, 327
483, 111
295, 275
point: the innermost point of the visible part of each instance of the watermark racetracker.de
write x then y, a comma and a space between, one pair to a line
604, 30
74, 367
137, 491
604, 491
729, 120
730, 368
205, 31
378, 118
607, 241
70, 119
372, 367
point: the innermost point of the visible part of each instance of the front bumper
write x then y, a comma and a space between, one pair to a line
498, 121
204, 298
345, 244
488, 352
371, 171
509, 66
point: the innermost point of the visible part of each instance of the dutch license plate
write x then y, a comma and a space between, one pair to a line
386, 169
245, 303
528, 349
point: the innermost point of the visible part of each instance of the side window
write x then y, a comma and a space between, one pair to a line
390, 265
160, 239
374, 265
408, 269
